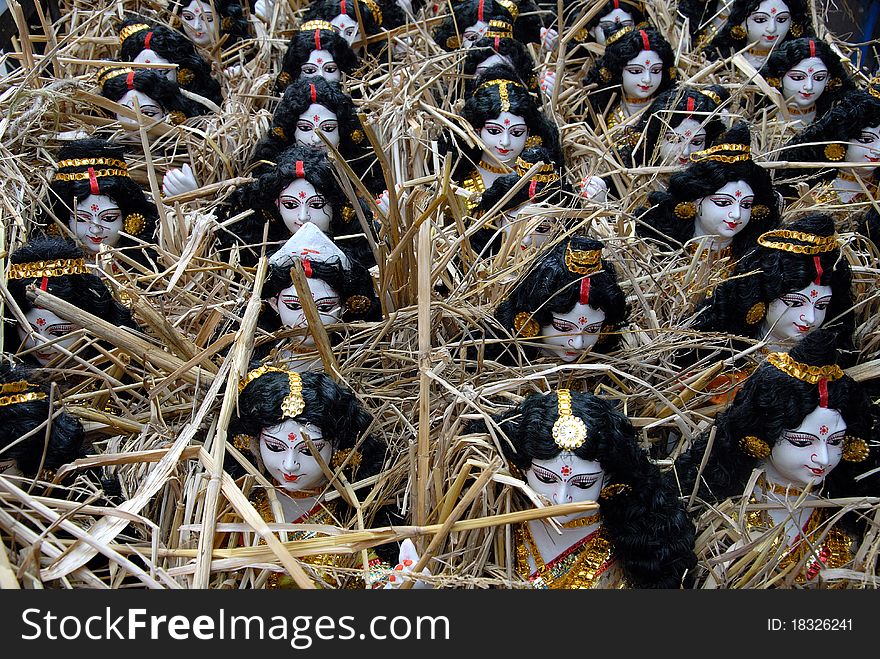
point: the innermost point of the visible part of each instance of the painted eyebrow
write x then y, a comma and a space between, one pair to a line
327, 299
801, 433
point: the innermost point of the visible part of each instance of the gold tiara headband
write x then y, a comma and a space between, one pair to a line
293, 404
21, 398
727, 153
711, 95
583, 261
617, 36
804, 372
110, 72
511, 8
569, 431
15, 387
53, 268
815, 244
91, 162
499, 29
374, 8
126, 32
308, 26
503, 87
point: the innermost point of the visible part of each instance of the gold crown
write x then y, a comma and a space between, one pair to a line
817, 244
583, 261
53, 268
308, 26
293, 404
737, 152
804, 372
126, 32
569, 431
501, 29
110, 72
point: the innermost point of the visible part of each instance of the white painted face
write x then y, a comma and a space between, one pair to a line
679, 142
494, 60
321, 64
617, 18
768, 24
198, 22
149, 56
300, 202
809, 452
474, 33
865, 148
97, 221
796, 314
572, 334
566, 479
49, 326
152, 110
288, 459
539, 225
317, 118
504, 137
290, 310
804, 83
347, 28
725, 213
642, 75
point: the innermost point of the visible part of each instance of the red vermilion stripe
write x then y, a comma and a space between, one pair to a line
533, 186
342, 7
307, 268
585, 290
148, 39
497, 43
129, 80
93, 181
819, 270
812, 48
691, 104
44, 284
480, 11
300, 169
646, 43
314, 93
823, 392
318, 40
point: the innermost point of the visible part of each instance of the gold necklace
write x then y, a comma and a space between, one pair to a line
581, 521
759, 52
493, 169
797, 112
632, 100
779, 489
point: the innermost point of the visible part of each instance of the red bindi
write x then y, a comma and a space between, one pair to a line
507, 122
292, 436
565, 471
302, 194
814, 293
739, 193
582, 320
41, 321
316, 118
823, 430
94, 208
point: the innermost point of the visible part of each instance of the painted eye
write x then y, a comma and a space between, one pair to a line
793, 302
562, 326
518, 132
471, 36
867, 138
595, 328
747, 204
317, 203
187, 16
800, 443
328, 127
492, 130
326, 307
797, 76
820, 77
835, 441
698, 142
657, 70
585, 485
544, 477
209, 18
634, 71
275, 448
293, 306
822, 306
331, 68
544, 227
305, 127
722, 202
309, 69
290, 205
782, 20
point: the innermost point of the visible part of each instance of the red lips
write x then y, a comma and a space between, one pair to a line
803, 328
732, 225
290, 478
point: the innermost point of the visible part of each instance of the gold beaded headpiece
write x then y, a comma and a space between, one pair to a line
113, 167
815, 244
308, 26
110, 72
546, 172
617, 36
708, 93
293, 404
583, 261
13, 392
804, 372
727, 153
874, 87
569, 431
129, 30
503, 87
511, 8
53, 268
374, 9
499, 30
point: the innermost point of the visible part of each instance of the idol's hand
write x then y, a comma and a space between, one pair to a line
407, 561
178, 181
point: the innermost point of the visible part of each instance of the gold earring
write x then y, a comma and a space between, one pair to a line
605, 74
738, 32
526, 326
835, 151
756, 313
613, 490
774, 82
796, 30
134, 223
685, 210
755, 447
855, 450
760, 211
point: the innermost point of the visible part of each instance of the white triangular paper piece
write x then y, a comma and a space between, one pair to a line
308, 243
